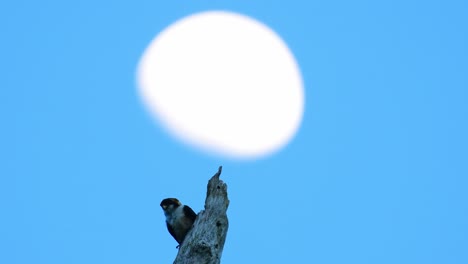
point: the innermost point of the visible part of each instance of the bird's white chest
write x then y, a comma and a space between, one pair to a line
175, 217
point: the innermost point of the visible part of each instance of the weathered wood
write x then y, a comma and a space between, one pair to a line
205, 242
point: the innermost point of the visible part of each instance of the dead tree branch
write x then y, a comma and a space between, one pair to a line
204, 243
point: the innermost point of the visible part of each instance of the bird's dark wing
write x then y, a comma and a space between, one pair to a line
190, 213
171, 231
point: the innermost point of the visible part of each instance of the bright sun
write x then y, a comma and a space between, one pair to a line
225, 83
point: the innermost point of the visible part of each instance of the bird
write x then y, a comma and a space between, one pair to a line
179, 218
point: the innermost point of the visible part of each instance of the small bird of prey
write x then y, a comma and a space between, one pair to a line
179, 218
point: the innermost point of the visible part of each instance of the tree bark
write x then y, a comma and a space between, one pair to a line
205, 241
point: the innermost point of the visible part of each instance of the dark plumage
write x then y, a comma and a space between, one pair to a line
179, 218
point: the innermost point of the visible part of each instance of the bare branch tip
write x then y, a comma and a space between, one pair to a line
218, 173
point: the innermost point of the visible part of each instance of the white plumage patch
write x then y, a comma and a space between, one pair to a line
175, 216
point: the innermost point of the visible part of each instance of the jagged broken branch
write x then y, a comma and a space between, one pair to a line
205, 242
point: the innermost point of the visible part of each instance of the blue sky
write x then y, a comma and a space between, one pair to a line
376, 174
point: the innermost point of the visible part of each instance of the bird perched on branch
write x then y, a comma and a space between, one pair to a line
179, 218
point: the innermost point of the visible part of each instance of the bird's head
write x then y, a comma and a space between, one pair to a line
170, 204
